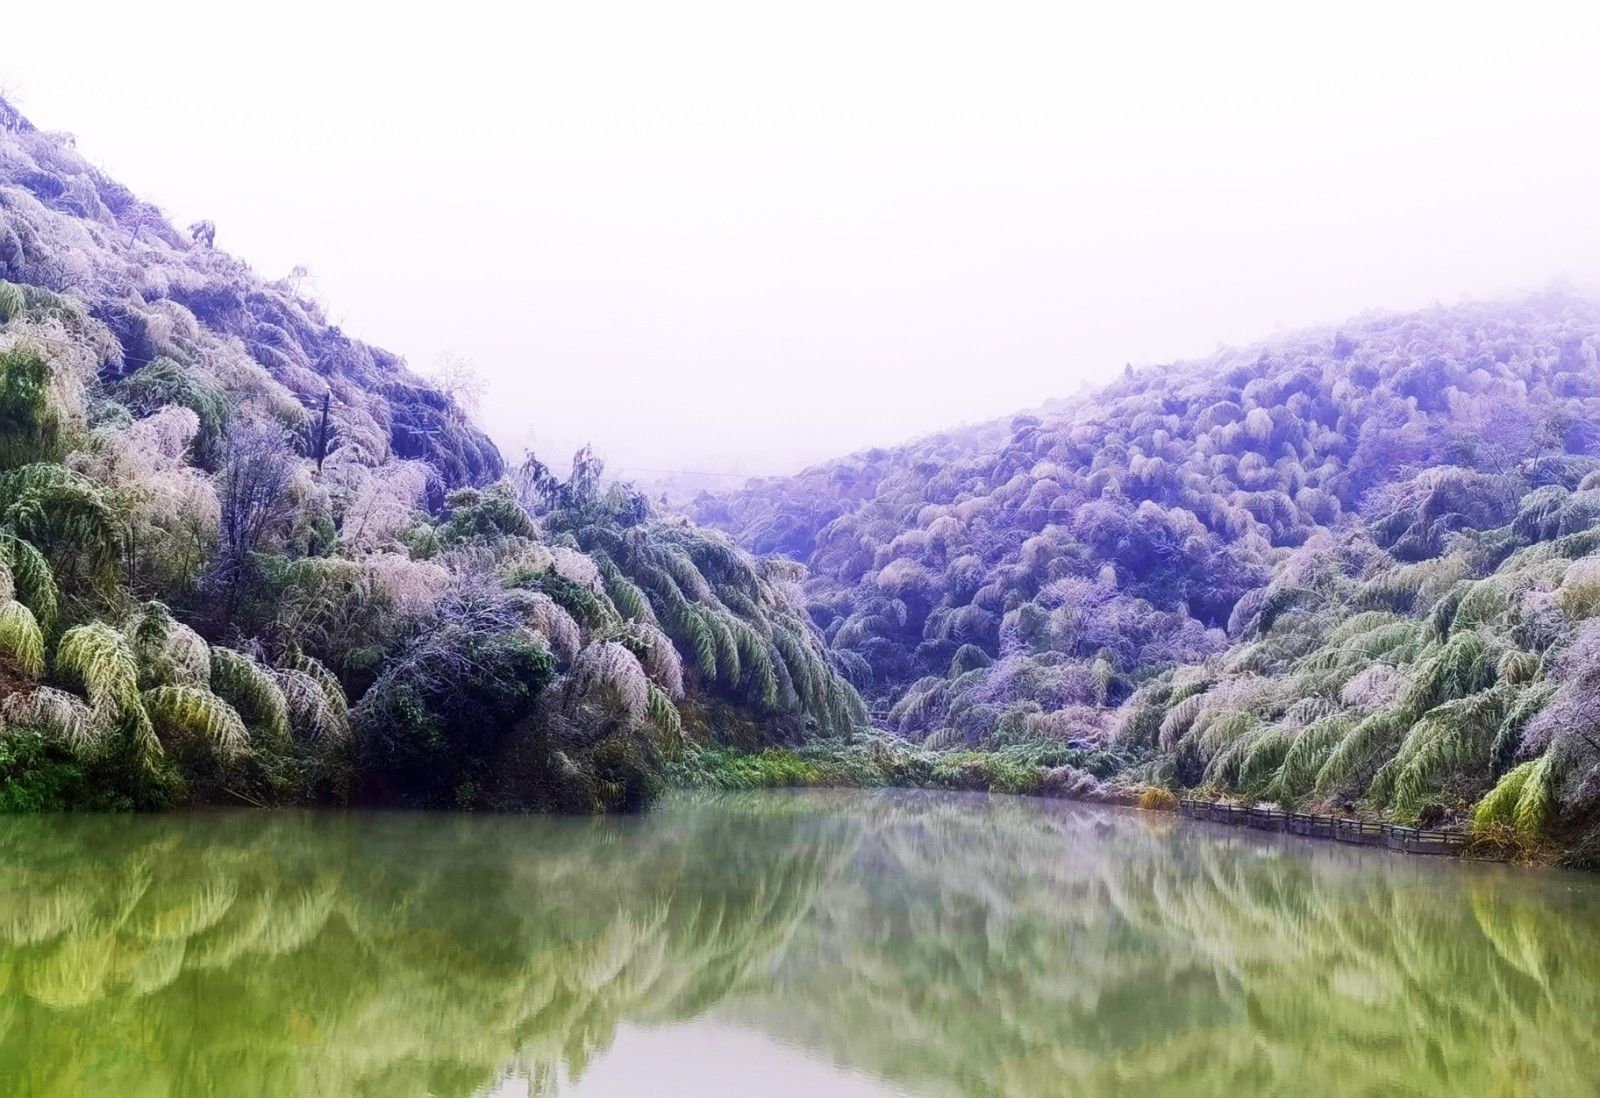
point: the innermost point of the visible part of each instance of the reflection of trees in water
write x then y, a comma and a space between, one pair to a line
1007, 947
375, 954
951, 944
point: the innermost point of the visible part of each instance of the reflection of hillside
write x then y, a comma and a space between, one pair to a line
950, 944
1007, 947
330, 955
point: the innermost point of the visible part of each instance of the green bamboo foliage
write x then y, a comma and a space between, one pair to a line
1392, 686
168, 653
664, 715
1519, 802
31, 579
330, 713
59, 716
1452, 740
21, 641
99, 659
629, 599
1350, 765
146, 683
738, 631
253, 691
32, 426
1222, 739
759, 677
1534, 804
66, 514
1297, 776
1528, 704
165, 383
188, 712
311, 715
1260, 768
12, 302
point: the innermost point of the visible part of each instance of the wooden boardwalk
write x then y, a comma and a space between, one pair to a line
1412, 840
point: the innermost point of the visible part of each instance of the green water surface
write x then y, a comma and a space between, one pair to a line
778, 944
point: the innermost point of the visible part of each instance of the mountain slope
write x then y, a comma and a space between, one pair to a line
65, 227
244, 557
1198, 531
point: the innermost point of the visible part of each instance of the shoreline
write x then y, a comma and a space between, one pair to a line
1355, 832
882, 763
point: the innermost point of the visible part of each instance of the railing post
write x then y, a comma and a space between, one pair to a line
1338, 828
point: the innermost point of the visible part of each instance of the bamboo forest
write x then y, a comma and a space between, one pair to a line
1220, 725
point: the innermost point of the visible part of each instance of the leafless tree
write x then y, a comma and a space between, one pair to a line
458, 378
320, 433
254, 489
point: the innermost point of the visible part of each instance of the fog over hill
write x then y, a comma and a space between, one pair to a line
247, 556
780, 235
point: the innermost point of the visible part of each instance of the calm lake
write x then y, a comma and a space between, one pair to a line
778, 944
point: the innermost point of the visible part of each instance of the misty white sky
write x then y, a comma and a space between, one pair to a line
743, 236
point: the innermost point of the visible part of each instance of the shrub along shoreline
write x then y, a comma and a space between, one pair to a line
1039, 769
880, 761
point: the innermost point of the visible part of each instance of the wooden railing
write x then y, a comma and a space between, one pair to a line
1413, 840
